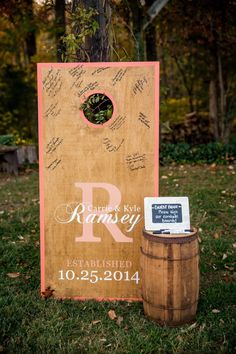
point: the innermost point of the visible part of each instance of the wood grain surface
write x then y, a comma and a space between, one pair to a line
170, 277
93, 178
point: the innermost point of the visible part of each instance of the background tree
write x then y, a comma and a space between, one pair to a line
193, 39
200, 37
18, 31
60, 27
89, 23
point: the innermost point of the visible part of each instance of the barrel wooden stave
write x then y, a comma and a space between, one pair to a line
170, 279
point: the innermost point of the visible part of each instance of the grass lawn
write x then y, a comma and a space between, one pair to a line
30, 324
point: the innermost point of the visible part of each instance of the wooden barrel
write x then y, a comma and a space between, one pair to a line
170, 277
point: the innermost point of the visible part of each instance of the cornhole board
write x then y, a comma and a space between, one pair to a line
93, 178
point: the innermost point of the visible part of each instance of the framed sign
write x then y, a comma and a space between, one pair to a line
98, 143
167, 214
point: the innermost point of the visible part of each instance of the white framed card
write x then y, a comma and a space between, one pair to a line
167, 214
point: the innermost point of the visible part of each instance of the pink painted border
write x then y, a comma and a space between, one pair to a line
99, 126
156, 130
103, 64
41, 179
40, 66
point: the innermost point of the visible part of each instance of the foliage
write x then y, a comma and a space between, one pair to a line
81, 24
18, 31
200, 53
193, 128
195, 45
97, 108
29, 324
208, 153
17, 103
174, 109
7, 140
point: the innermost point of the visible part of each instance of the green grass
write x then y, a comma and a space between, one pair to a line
30, 324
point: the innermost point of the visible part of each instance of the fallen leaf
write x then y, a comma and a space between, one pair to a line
227, 278
96, 322
119, 320
192, 326
224, 256
47, 293
229, 268
189, 328
164, 177
102, 340
202, 327
199, 239
112, 314
234, 245
13, 275
215, 311
179, 338
216, 235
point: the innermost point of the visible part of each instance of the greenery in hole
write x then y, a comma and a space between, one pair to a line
97, 108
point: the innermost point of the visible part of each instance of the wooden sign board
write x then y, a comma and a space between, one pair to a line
93, 177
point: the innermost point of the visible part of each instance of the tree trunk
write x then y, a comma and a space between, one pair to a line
30, 39
151, 43
213, 109
188, 84
60, 28
222, 102
96, 47
137, 18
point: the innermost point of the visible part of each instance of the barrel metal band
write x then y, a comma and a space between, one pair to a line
180, 239
162, 307
168, 258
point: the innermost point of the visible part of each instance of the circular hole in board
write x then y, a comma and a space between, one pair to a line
97, 108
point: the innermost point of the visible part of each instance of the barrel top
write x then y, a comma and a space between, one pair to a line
170, 238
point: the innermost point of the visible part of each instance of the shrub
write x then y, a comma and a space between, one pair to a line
203, 153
